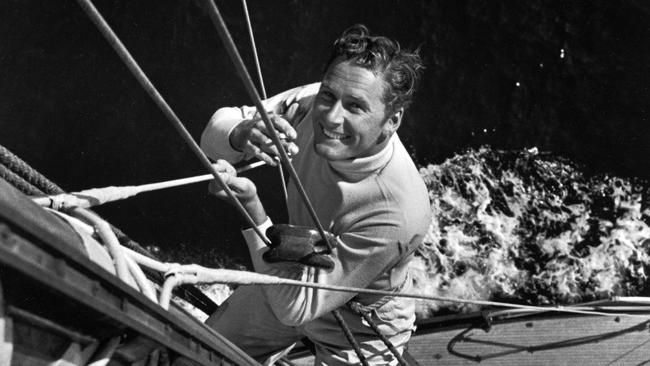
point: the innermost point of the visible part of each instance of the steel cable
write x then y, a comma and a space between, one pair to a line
148, 86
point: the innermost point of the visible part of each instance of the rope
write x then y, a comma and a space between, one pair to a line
18, 182
29, 181
258, 68
348, 335
29, 174
144, 81
98, 196
196, 274
336, 313
110, 241
255, 58
226, 38
358, 308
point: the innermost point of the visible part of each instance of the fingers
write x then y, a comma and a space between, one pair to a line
242, 188
285, 128
222, 166
254, 150
261, 136
225, 171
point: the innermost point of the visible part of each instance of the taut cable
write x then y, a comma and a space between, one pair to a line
336, 313
262, 88
226, 38
254, 47
98, 196
196, 274
144, 81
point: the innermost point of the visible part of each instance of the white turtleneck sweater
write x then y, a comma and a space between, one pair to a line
377, 207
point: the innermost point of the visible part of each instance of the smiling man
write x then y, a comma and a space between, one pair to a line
366, 192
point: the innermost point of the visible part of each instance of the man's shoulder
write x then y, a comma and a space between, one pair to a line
307, 91
299, 102
301, 95
402, 179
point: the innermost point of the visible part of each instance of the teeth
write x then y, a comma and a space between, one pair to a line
333, 135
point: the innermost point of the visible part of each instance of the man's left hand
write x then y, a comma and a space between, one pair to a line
243, 189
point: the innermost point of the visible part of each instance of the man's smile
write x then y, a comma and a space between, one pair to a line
332, 134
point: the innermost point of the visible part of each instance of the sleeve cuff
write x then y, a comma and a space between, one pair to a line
252, 239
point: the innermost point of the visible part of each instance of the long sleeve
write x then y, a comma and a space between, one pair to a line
379, 220
360, 257
376, 206
215, 139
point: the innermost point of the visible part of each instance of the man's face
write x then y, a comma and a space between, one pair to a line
349, 115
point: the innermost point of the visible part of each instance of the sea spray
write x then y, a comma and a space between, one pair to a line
530, 228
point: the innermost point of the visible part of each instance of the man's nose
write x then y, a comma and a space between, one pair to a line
334, 115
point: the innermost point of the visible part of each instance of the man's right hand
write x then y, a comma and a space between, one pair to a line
252, 137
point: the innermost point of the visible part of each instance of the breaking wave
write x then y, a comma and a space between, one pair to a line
530, 228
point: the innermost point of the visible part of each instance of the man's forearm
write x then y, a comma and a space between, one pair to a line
256, 210
215, 139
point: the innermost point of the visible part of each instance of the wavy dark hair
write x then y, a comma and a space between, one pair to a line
400, 69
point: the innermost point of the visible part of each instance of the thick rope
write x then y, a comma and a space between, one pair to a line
18, 166
29, 181
21, 174
258, 68
144, 81
226, 38
18, 182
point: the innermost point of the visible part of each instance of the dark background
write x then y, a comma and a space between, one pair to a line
570, 77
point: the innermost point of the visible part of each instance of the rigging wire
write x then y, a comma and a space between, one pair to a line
258, 68
99, 196
227, 40
144, 81
254, 47
196, 274
243, 73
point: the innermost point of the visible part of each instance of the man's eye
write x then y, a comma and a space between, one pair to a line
355, 107
327, 96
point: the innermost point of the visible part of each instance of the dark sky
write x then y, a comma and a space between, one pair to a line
568, 77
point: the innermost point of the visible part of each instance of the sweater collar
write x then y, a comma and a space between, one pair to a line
357, 169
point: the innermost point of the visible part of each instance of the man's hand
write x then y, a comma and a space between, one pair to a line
243, 189
252, 137
290, 243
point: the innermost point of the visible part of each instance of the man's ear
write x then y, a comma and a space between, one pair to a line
394, 121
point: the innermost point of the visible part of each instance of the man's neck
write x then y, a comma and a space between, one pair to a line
359, 168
